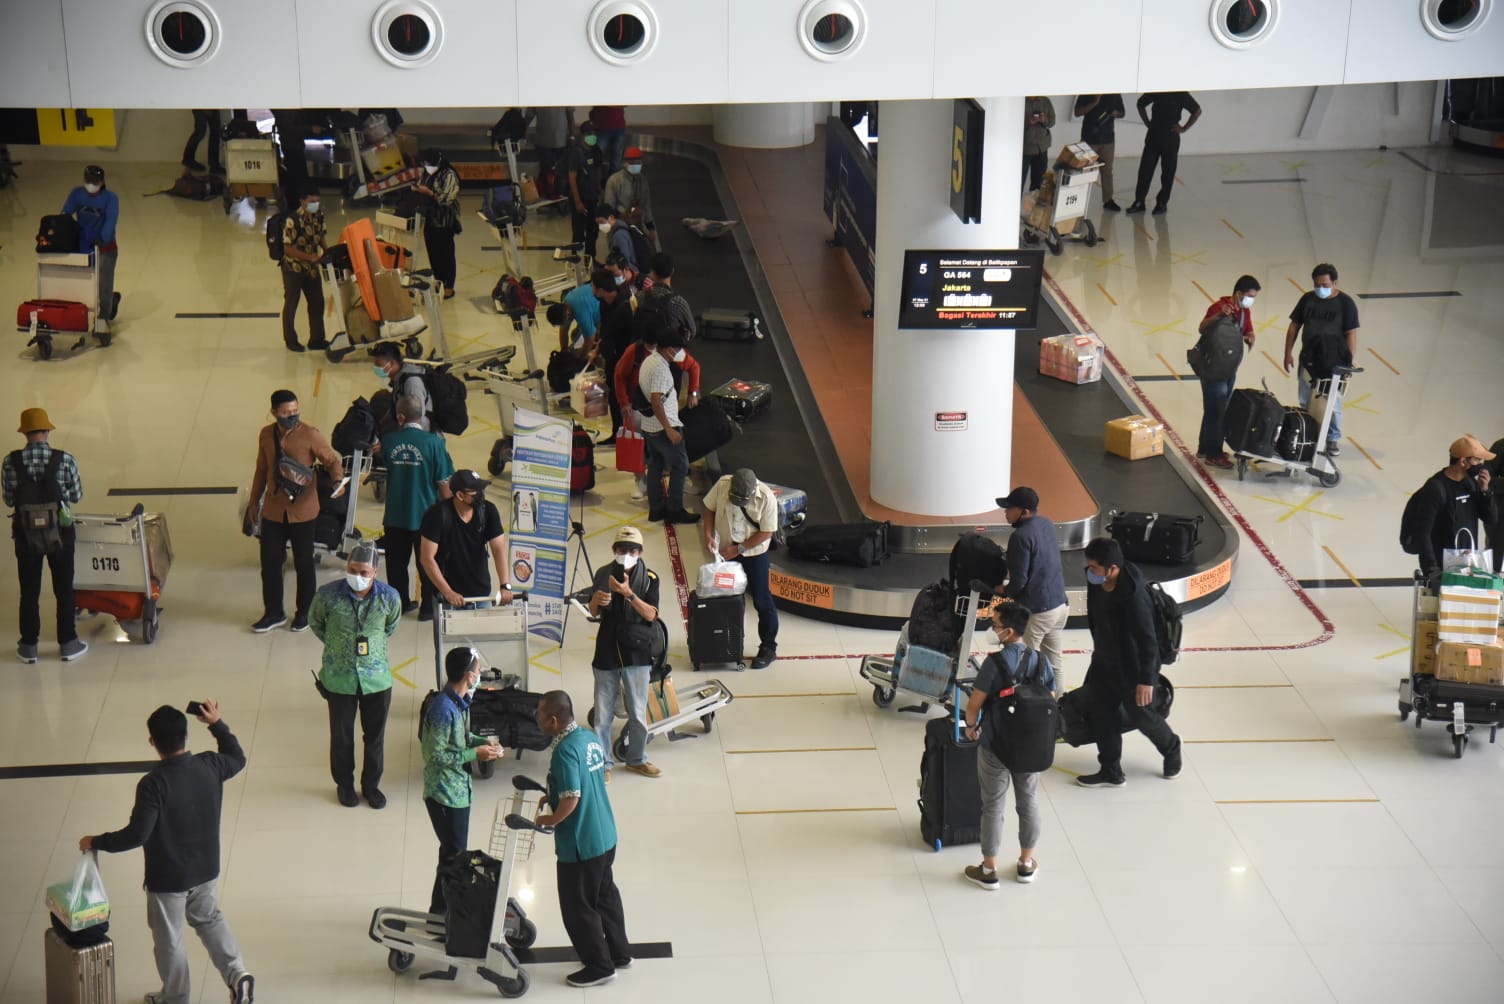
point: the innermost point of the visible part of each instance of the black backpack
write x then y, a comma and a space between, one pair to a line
57, 234
581, 460
932, 618
511, 126
1167, 624
976, 558
642, 248
276, 226
1411, 532
39, 505
1025, 719
1324, 353
446, 394
357, 430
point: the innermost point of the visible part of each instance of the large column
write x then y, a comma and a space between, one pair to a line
765, 127
917, 374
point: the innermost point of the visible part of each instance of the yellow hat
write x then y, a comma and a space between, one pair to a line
35, 420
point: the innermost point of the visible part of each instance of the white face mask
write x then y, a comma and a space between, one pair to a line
1324, 291
91, 188
313, 207
430, 168
627, 561
634, 168
1247, 302
604, 228
678, 355
359, 583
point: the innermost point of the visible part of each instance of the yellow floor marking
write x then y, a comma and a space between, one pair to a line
1299, 507
1272, 361
1359, 447
1345, 570
818, 693
789, 812
533, 662
1140, 228
318, 379
1237, 741
1162, 359
1234, 168
1104, 262
623, 521
1386, 362
1181, 259
812, 749
1269, 322
1154, 329
1067, 770
398, 676
1232, 228
1209, 297
1298, 287
1295, 801
1356, 404
1297, 165
1395, 631
1371, 163
1107, 294
1395, 652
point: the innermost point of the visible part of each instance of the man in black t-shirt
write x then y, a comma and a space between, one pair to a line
1161, 114
1098, 114
1330, 319
1458, 497
458, 535
625, 599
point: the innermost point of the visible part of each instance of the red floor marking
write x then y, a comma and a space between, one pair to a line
676, 562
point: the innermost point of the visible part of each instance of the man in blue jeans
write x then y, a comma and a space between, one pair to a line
1235, 309
663, 433
746, 516
626, 602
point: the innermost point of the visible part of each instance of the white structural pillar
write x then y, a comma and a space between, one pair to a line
765, 127
916, 375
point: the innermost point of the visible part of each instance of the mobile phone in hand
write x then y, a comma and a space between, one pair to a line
195, 709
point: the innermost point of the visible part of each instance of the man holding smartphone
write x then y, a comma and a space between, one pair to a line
626, 601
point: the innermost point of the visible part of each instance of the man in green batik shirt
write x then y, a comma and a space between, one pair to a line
354, 617
449, 747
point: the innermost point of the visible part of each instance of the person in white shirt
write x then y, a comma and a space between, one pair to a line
746, 516
663, 432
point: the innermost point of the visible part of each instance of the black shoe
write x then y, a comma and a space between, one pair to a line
425, 615
655, 515
1101, 779
320, 346
681, 516
408, 608
300, 622
193, 165
623, 963
1159, 210
1134, 209
1173, 762
588, 978
765, 658
295, 347
1111, 207
374, 798
347, 797
269, 622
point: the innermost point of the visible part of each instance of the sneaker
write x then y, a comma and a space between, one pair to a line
425, 615
639, 490
243, 990
622, 963
683, 516
74, 649
1221, 463
193, 165
1111, 207
1174, 762
979, 875
269, 622
26, 653
1101, 779
1159, 210
300, 623
646, 769
588, 978
374, 798
1135, 209
1025, 871
1333, 448
347, 797
765, 658
655, 515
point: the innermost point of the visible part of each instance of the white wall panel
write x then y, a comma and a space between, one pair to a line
110, 65
768, 63
1386, 41
476, 64
33, 58
1178, 52
983, 47
557, 66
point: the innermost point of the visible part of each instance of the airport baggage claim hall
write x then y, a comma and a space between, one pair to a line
811, 164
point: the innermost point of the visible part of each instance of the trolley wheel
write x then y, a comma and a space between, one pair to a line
708, 721
44, 347
1242, 466
103, 338
1030, 237
412, 348
883, 696
527, 933
1330, 479
1090, 240
336, 355
1053, 242
1459, 743
619, 748
1405, 710
516, 986
151, 617
399, 962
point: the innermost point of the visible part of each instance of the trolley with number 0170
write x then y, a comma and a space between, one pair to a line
120, 565
1463, 706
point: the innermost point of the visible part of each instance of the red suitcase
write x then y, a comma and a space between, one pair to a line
55, 315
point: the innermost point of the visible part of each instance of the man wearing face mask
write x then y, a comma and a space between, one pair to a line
626, 601
459, 534
585, 168
1456, 498
97, 210
1235, 311
287, 508
1124, 666
303, 244
1036, 581
618, 235
616, 330
354, 617
404, 379
1329, 318
440, 192
663, 432
449, 747
627, 190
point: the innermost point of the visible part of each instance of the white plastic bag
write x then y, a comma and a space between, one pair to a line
1466, 555
721, 578
81, 902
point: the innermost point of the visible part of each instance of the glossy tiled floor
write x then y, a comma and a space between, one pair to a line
1313, 850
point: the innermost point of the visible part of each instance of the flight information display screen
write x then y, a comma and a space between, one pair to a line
971, 289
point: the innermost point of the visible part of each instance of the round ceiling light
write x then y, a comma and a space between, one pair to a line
622, 31
407, 33
1241, 24
182, 33
832, 29
1450, 20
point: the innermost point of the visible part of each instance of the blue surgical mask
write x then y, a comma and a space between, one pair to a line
620, 279
1095, 578
1324, 291
634, 168
379, 372
359, 583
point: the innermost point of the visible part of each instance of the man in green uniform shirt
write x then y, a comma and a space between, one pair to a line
418, 468
585, 842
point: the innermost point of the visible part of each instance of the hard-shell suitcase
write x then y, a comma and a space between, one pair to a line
950, 799
715, 630
1156, 538
79, 975
729, 324
793, 505
1297, 436
706, 428
742, 399
1252, 421
53, 315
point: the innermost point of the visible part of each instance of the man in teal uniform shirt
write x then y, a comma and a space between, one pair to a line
418, 468
585, 841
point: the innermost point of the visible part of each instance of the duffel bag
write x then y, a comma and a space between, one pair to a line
1155, 538
860, 545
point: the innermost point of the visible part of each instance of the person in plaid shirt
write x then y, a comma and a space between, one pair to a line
35, 459
303, 245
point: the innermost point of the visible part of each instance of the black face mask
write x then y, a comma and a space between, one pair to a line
288, 422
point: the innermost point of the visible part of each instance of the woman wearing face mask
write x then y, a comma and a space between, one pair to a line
97, 210
354, 617
626, 601
440, 189
287, 509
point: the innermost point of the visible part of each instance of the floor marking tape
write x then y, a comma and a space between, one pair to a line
1107, 294
792, 812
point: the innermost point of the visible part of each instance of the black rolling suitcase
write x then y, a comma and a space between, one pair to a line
706, 428
1252, 422
1297, 436
1155, 538
715, 630
742, 399
729, 324
860, 545
950, 800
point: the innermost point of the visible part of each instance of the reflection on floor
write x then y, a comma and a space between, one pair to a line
1313, 849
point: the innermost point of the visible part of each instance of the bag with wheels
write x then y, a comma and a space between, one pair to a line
716, 630
509, 715
1155, 538
1297, 436
950, 797
1252, 422
859, 545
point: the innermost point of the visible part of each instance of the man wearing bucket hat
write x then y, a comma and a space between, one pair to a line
1454, 499
40, 482
626, 601
745, 515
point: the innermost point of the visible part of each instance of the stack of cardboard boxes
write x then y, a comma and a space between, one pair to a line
1465, 644
1072, 358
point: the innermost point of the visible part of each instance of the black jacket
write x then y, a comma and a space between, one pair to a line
1447, 507
1125, 650
176, 816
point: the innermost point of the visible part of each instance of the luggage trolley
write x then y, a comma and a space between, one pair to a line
72, 281
339, 292
700, 703
1310, 456
920, 673
120, 564
1463, 706
499, 634
409, 934
1061, 203
250, 170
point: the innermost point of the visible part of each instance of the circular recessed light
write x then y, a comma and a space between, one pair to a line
1239, 24
182, 33
832, 29
1450, 20
407, 33
622, 31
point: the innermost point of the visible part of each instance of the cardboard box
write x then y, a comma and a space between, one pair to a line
1425, 648
1073, 358
1462, 663
663, 700
1077, 156
1135, 437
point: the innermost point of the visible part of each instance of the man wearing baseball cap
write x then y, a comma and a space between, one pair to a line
626, 601
627, 190
1454, 499
97, 210
1035, 579
458, 534
745, 516
39, 484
